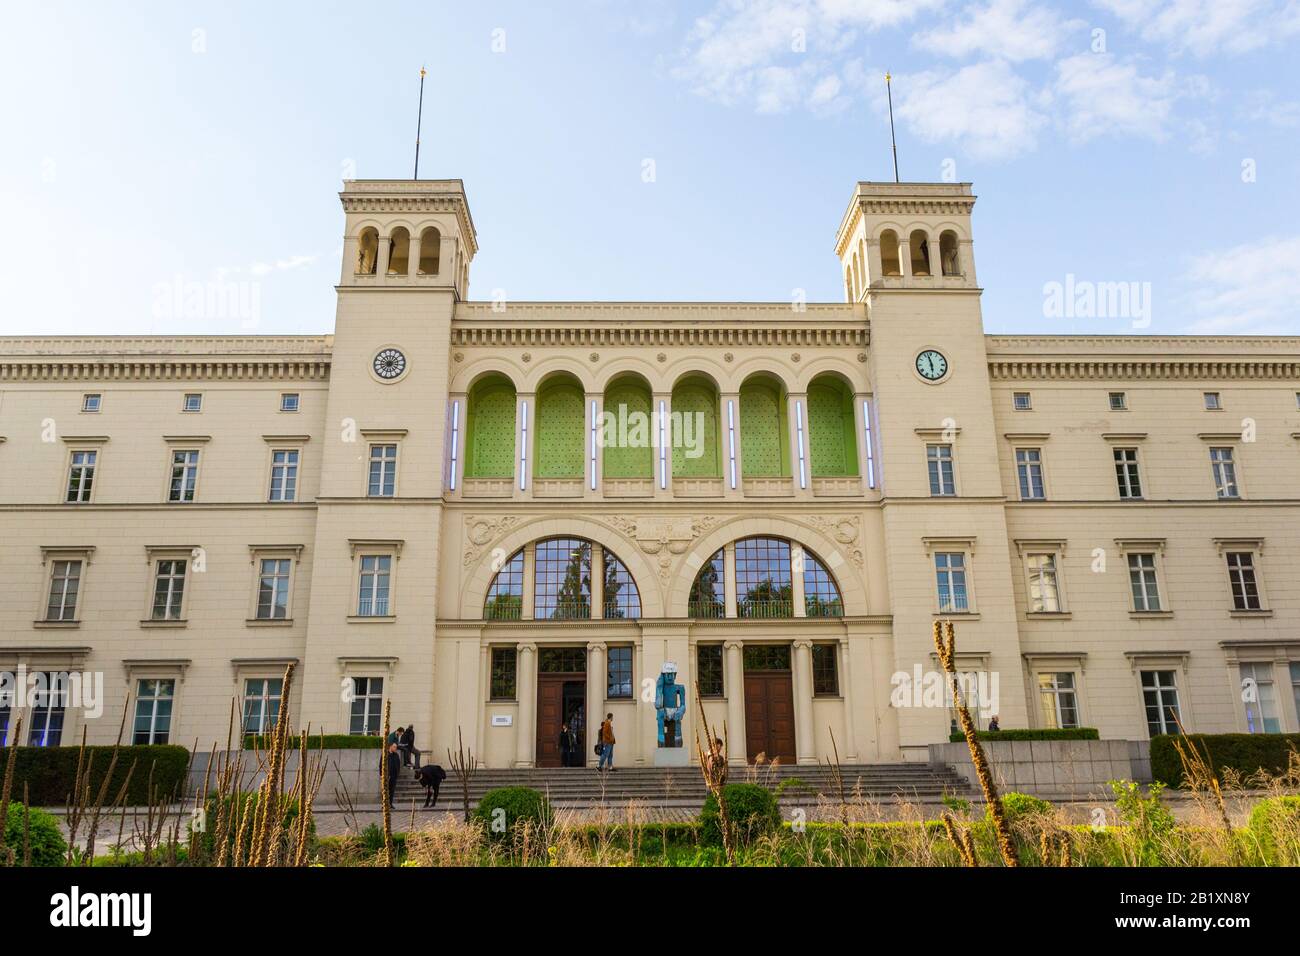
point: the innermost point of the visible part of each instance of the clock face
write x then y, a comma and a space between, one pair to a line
389, 364
931, 365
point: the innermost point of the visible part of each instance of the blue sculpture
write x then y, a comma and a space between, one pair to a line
670, 706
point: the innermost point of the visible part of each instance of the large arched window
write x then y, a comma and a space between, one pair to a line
430, 251
560, 572
621, 598
560, 423
948, 256
708, 592
490, 429
890, 261
832, 432
505, 598
626, 435
919, 247
821, 595
695, 429
368, 251
764, 435
399, 251
764, 587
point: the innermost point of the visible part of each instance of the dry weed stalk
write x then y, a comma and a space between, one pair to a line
464, 765
389, 856
961, 839
713, 767
945, 642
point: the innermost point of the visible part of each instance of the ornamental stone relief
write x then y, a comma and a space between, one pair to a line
844, 530
482, 530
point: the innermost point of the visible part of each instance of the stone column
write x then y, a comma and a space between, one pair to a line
381, 257
729, 577
597, 676
796, 581
845, 677
530, 580
805, 739
526, 682
733, 682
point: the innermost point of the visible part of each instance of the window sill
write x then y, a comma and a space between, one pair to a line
1261, 612
964, 615
839, 697
371, 618
56, 625
182, 622
1144, 615
268, 622
1049, 615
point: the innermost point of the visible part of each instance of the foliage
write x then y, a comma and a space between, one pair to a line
50, 773
507, 811
1275, 825
752, 809
1149, 821
1018, 806
44, 836
217, 806
1027, 733
319, 742
1247, 754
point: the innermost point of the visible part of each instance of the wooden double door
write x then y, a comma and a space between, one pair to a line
561, 699
769, 714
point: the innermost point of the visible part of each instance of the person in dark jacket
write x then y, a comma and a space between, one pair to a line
568, 743
393, 765
406, 744
430, 777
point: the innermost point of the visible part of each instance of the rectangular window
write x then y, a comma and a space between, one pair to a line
939, 462
169, 590
81, 476
65, 582
708, 660
1118, 401
49, 703
1021, 401
367, 706
193, 402
619, 667
1044, 588
284, 474
950, 570
372, 600
1142, 580
1257, 693
383, 471
153, 711
1057, 701
185, 475
1160, 698
504, 661
6, 715
1212, 402
289, 402
1241, 578
1225, 473
262, 704
91, 402
1029, 471
1126, 474
273, 590
825, 668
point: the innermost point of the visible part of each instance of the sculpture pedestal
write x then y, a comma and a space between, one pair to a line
672, 757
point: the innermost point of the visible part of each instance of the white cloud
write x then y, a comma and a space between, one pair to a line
1207, 27
1006, 29
1253, 287
1104, 96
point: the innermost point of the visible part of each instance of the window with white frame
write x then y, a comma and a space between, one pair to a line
81, 475
1126, 473
1260, 699
367, 706
169, 589
153, 710
1225, 473
1021, 401
950, 574
289, 402
193, 402
1044, 586
1029, 472
940, 464
49, 705
1143, 581
262, 704
284, 474
91, 402
1160, 700
383, 471
372, 596
1242, 581
273, 589
185, 474
65, 583
1057, 700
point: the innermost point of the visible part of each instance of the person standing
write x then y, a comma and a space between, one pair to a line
394, 767
567, 741
406, 744
606, 744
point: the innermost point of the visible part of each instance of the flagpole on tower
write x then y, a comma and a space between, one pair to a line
893, 143
419, 119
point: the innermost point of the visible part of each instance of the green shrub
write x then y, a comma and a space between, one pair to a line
752, 810
1026, 733
1245, 753
117, 858
44, 836
51, 772
319, 742
1275, 824
518, 806
1020, 806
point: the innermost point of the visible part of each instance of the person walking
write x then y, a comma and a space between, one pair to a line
606, 744
406, 744
394, 767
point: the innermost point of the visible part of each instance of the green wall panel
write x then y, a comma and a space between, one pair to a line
690, 400
490, 439
765, 452
832, 437
558, 443
627, 405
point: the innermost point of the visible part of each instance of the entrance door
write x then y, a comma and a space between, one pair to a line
769, 703
560, 699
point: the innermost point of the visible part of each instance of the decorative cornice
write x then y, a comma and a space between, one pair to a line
1142, 357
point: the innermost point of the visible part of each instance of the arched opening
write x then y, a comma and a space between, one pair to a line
557, 445
708, 592
857, 275
399, 251
890, 263
694, 422
848, 284
430, 250
919, 245
490, 429
948, 256
626, 431
562, 571
505, 596
764, 428
832, 431
368, 251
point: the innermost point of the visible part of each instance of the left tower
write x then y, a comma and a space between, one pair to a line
407, 250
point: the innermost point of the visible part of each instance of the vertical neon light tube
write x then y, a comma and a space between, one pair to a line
731, 439
523, 445
455, 442
663, 446
593, 444
871, 456
798, 427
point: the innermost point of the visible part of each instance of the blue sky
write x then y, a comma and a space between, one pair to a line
156, 145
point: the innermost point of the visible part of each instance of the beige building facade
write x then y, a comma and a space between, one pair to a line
504, 516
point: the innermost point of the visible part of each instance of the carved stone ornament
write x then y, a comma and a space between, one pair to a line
482, 530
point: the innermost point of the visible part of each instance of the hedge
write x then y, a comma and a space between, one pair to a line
1244, 753
50, 773
1026, 733
320, 742
519, 806
752, 811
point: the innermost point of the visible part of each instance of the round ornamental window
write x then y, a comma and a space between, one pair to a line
390, 364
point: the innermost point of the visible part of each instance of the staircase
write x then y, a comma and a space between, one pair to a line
684, 787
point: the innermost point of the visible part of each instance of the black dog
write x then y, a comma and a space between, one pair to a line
431, 777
